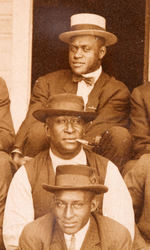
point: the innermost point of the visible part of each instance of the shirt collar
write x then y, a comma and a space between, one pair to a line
95, 74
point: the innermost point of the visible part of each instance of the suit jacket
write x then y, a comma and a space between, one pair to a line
7, 134
109, 97
103, 234
140, 119
138, 183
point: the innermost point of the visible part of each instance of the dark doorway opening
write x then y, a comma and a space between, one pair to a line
126, 19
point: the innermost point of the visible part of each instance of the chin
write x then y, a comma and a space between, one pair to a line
70, 230
78, 71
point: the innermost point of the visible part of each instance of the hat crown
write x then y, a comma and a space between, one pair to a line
86, 18
66, 101
75, 176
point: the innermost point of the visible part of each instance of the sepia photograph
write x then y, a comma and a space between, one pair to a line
74, 125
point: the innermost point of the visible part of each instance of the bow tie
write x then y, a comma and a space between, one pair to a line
87, 80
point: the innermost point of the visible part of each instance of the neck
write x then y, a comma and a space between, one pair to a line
65, 156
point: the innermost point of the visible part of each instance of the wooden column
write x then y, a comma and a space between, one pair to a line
21, 59
146, 75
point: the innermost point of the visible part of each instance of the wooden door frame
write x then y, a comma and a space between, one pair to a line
146, 71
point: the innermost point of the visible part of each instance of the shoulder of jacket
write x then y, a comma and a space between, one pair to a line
142, 89
111, 80
58, 73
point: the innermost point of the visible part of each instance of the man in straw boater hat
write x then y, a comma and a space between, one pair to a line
65, 120
75, 224
87, 41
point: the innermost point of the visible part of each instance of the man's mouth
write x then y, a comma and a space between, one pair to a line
73, 140
77, 64
68, 224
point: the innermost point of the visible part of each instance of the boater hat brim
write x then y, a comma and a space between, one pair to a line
109, 38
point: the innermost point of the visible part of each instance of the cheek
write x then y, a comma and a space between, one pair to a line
80, 130
58, 213
70, 56
56, 133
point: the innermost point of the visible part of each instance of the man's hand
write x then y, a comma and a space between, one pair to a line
19, 159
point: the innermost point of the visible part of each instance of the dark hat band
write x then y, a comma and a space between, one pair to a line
86, 27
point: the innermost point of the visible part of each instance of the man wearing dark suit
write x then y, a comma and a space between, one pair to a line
6, 142
137, 175
74, 225
87, 41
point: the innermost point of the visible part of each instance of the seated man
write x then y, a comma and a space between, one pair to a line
6, 142
75, 224
65, 120
140, 120
87, 41
139, 124
138, 183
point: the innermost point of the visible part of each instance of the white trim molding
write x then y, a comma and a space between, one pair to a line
20, 87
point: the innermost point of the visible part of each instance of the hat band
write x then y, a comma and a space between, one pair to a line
86, 27
72, 180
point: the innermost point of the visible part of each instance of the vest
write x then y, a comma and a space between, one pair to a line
40, 170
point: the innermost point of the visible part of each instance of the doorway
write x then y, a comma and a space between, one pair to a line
126, 19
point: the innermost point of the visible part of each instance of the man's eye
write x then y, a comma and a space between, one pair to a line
61, 121
73, 48
78, 205
86, 49
59, 204
76, 121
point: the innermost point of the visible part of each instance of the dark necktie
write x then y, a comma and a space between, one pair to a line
87, 80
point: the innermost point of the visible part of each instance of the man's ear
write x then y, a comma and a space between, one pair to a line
47, 130
94, 203
102, 52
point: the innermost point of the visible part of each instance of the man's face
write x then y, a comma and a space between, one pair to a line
73, 209
63, 132
85, 54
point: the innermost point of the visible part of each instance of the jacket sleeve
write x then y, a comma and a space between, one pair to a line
113, 108
6, 125
28, 240
38, 100
37, 234
19, 209
135, 181
139, 127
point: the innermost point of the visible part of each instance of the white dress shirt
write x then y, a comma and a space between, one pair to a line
79, 236
19, 210
85, 89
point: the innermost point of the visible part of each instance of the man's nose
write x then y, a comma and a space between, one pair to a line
68, 212
69, 127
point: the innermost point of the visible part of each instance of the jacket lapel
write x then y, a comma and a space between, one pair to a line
58, 241
94, 96
69, 86
92, 239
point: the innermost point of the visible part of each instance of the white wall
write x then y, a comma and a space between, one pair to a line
15, 54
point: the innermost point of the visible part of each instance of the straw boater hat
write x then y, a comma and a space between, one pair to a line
88, 24
64, 104
76, 177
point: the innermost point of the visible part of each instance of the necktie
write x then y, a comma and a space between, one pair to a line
73, 243
87, 80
